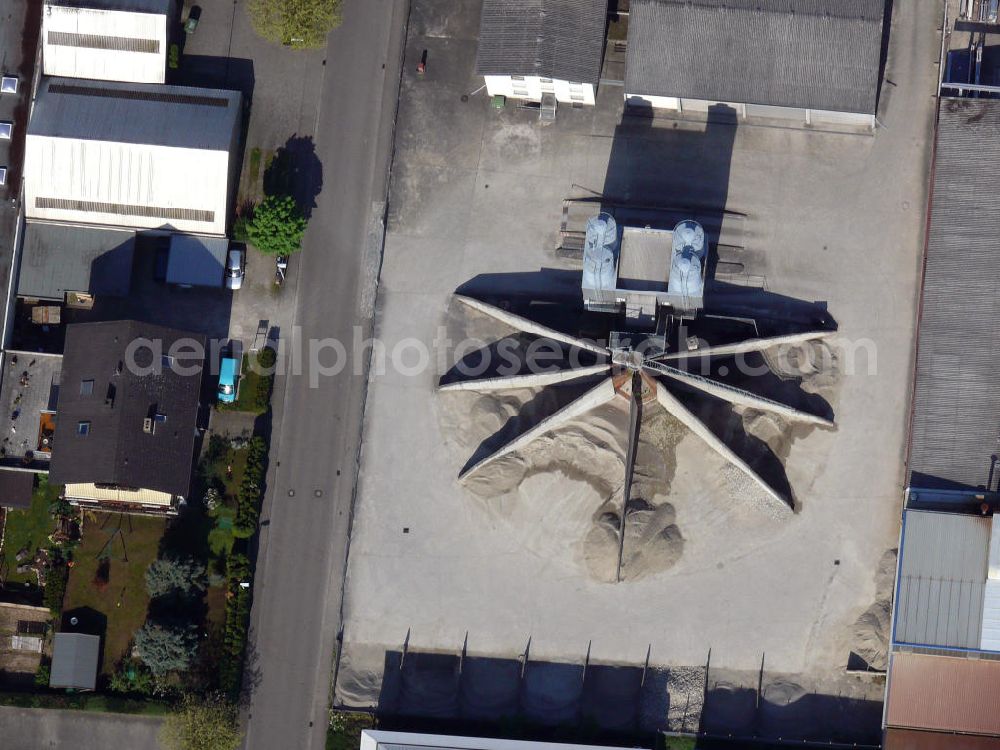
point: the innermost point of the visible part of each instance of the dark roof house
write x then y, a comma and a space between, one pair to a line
127, 417
558, 39
811, 54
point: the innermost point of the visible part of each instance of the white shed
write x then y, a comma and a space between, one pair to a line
137, 156
112, 40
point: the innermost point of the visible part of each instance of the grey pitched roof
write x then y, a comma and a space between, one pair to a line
58, 259
116, 449
74, 661
145, 113
561, 39
955, 430
820, 54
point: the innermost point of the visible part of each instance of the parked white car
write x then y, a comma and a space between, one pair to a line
235, 268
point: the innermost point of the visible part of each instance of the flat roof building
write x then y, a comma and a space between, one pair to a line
127, 416
128, 155
112, 40
528, 48
814, 61
57, 260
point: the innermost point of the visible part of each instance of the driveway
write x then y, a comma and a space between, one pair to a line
39, 728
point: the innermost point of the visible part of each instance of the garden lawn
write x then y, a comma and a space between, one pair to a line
29, 528
124, 600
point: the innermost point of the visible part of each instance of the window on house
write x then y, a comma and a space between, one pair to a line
86, 387
167, 361
83, 428
517, 78
545, 80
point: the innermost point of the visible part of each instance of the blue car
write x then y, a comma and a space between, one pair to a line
228, 376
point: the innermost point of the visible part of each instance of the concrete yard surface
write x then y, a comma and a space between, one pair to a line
437, 571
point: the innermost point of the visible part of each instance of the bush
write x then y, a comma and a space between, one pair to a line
166, 647
202, 723
55, 582
173, 57
133, 678
42, 675
170, 575
277, 226
248, 497
234, 639
237, 567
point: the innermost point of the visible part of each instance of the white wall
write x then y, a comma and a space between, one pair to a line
127, 174
117, 27
743, 111
532, 88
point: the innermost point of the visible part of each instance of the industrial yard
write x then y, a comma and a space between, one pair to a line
491, 574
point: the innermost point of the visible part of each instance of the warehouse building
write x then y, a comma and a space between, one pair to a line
132, 156
955, 421
530, 48
111, 40
814, 62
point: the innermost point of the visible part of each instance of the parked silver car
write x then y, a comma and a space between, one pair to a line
235, 268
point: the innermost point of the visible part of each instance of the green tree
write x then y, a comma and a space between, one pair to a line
277, 226
168, 575
202, 723
300, 24
166, 647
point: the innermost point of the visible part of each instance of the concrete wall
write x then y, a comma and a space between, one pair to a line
531, 88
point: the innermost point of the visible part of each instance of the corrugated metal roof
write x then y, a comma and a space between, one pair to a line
131, 155
105, 44
561, 39
956, 403
821, 54
915, 739
59, 259
138, 6
74, 661
141, 113
944, 693
941, 579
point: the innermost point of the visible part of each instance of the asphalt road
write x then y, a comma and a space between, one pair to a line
305, 523
38, 728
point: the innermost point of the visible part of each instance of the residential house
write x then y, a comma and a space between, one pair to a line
814, 62
529, 48
127, 420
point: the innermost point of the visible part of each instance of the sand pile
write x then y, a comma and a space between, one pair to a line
871, 631
562, 494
